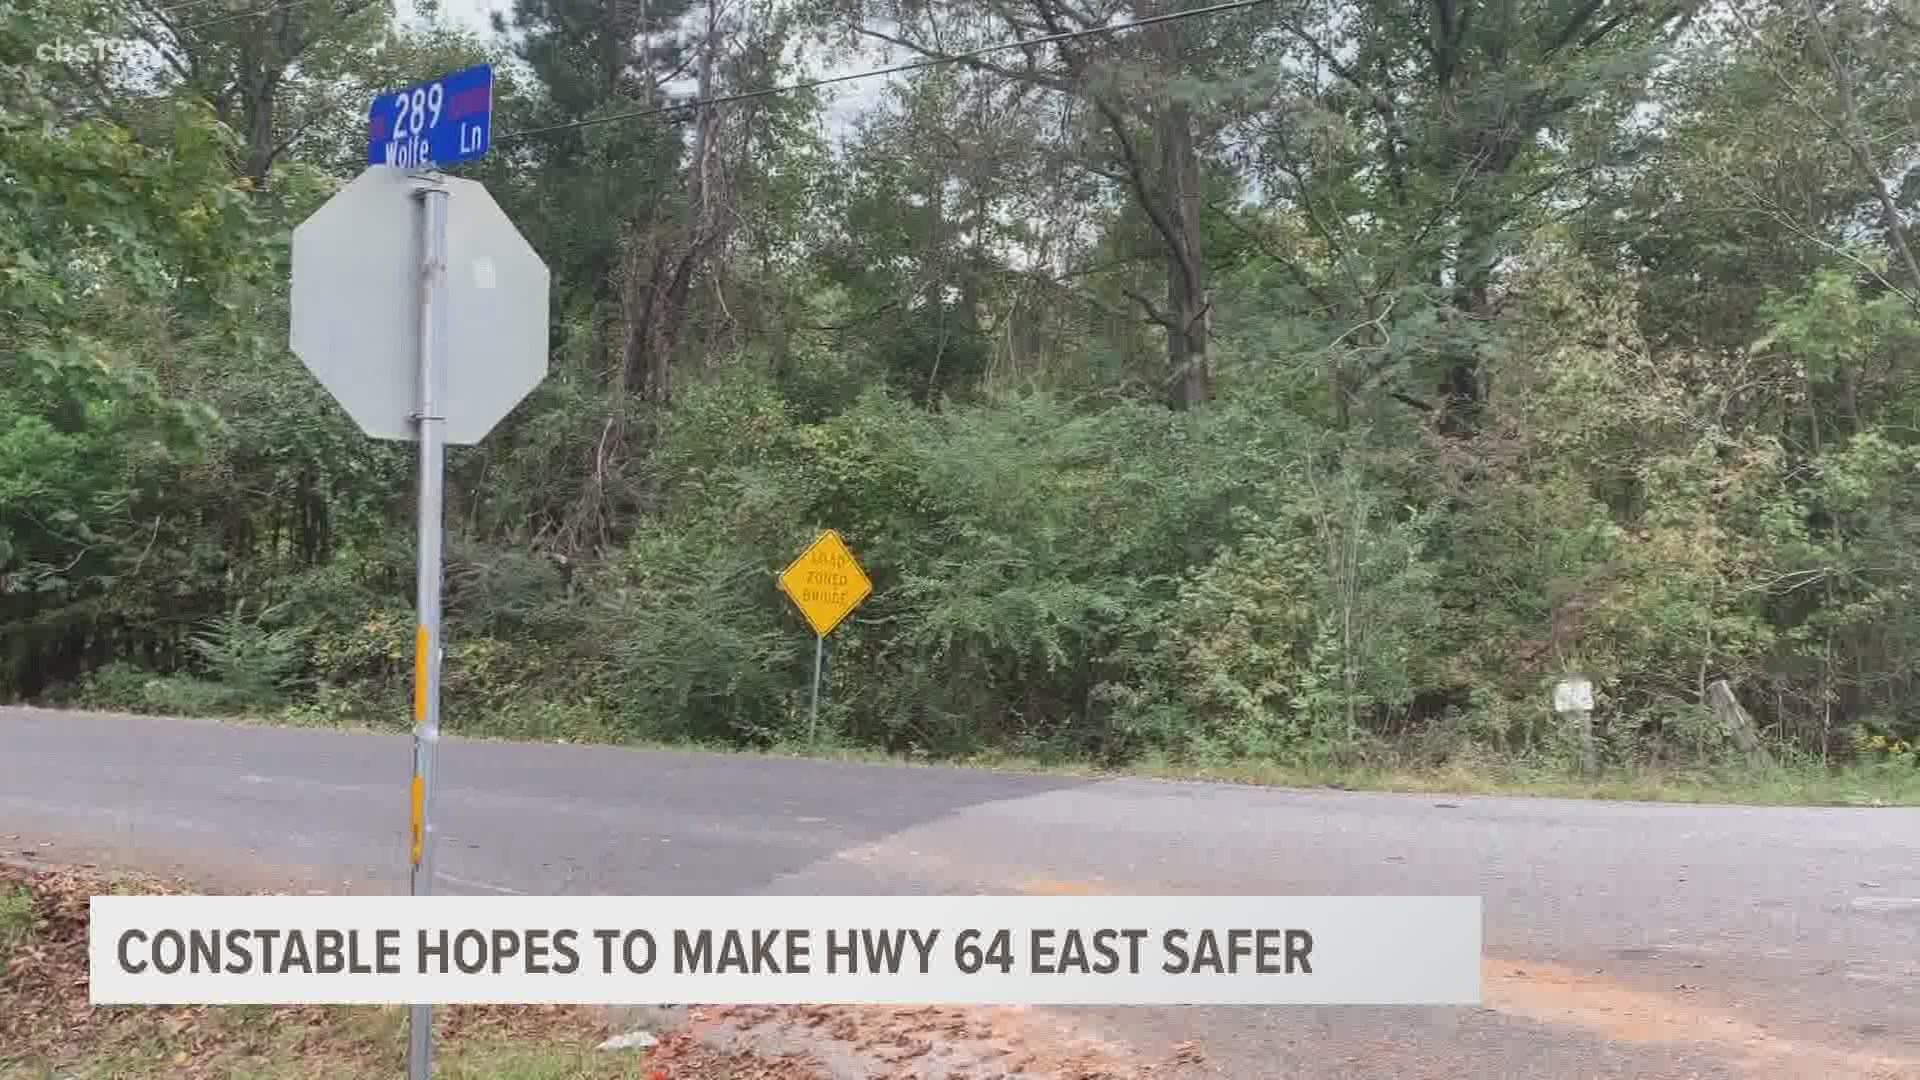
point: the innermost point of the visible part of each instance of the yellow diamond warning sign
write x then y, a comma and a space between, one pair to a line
825, 583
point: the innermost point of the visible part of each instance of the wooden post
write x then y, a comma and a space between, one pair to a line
1737, 723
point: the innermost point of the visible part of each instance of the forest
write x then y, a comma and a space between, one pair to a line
1292, 381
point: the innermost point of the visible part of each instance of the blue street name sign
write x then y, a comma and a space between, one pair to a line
434, 123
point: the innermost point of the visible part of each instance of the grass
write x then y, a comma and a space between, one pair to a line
1796, 784
344, 1042
1881, 785
1894, 782
16, 921
1779, 786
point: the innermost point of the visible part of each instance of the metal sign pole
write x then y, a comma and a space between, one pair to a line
826, 584
381, 348
427, 651
813, 721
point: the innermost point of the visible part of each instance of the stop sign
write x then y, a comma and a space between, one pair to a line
356, 306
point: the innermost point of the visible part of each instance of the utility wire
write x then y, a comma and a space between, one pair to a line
188, 5
810, 84
175, 8
930, 61
238, 15
172, 8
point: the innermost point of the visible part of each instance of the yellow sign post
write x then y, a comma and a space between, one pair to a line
826, 584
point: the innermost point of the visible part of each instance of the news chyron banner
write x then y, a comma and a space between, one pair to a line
739, 950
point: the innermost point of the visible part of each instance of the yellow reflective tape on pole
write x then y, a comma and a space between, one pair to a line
420, 642
419, 814
420, 675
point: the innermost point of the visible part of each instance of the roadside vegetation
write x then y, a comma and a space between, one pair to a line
47, 1027
1200, 402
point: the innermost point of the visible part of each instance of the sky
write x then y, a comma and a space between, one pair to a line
847, 100
474, 13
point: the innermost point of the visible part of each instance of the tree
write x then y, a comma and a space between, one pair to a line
272, 75
120, 262
1435, 135
1142, 122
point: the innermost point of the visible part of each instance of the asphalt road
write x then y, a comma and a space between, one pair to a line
1623, 940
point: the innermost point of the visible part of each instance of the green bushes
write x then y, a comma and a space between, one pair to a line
1050, 580
1109, 581
1609, 414
691, 642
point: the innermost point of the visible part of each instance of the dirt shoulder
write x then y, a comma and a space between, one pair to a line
49, 1028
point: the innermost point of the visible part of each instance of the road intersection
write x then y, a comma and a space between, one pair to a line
1622, 939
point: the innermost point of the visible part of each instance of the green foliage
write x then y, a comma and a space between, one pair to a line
16, 922
251, 659
693, 648
1515, 377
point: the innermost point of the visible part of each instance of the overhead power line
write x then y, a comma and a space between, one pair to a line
255, 13
935, 60
171, 9
163, 10
238, 15
185, 5
926, 62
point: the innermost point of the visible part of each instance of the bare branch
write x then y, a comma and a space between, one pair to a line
1029, 74
1137, 175
1154, 314
1863, 158
1578, 19
1292, 266
1772, 211
1378, 322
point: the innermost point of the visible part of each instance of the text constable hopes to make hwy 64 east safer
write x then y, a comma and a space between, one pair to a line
721, 950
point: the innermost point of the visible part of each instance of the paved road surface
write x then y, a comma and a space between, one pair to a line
1624, 940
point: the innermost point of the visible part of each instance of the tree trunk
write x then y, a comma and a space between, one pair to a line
666, 261
1189, 301
258, 102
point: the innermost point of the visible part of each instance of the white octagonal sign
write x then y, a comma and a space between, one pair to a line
356, 315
